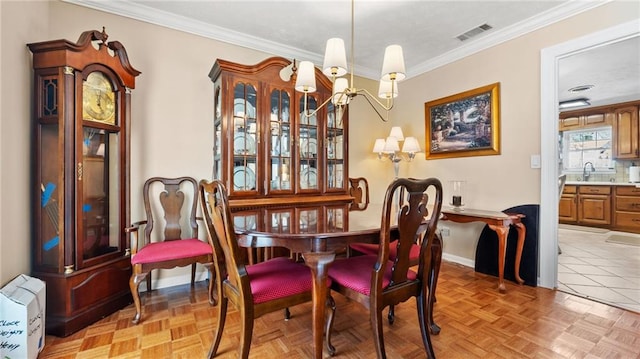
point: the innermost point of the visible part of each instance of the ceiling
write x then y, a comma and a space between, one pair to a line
427, 31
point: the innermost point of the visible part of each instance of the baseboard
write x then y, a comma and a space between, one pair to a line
175, 280
460, 260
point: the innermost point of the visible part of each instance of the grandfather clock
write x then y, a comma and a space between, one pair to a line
80, 174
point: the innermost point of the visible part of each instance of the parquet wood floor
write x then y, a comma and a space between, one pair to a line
476, 322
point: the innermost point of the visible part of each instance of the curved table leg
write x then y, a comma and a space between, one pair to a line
521, 235
502, 253
319, 263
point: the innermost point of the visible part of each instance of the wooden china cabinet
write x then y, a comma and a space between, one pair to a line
80, 178
267, 152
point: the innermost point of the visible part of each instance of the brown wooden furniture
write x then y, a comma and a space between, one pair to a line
319, 244
626, 132
170, 245
264, 150
253, 290
500, 223
568, 207
624, 119
81, 120
375, 281
359, 190
627, 208
613, 207
588, 205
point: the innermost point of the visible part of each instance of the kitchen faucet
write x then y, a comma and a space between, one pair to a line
585, 174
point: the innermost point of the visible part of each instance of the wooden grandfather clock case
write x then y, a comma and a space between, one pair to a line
80, 178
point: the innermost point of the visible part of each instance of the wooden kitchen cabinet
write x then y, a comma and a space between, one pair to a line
265, 150
588, 205
626, 133
627, 209
568, 209
594, 205
576, 120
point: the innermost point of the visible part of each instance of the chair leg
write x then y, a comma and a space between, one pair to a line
392, 315
222, 316
193, 274
331, 305
287, 314
247, 332
212, 285
134, 284
149, 283
422, 303
376, 326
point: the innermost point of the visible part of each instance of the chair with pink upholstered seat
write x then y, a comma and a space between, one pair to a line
254, 290
377, 282
170, 234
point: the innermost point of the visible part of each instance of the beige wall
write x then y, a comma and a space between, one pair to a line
172, 111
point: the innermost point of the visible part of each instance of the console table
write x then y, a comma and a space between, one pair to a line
500, 223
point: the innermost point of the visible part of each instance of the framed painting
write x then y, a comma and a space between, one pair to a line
465, 124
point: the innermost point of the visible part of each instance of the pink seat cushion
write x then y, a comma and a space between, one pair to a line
372, 249
170, 250
279, 278
355, 273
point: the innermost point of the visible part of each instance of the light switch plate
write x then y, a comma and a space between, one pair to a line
535, 161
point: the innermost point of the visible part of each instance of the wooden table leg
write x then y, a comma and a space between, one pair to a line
502, 253
319, 263
521, 234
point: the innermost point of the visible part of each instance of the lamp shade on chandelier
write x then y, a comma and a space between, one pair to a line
335, 66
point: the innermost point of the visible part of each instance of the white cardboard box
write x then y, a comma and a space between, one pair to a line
22, 310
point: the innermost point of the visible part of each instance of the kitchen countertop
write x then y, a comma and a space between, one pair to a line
596, 183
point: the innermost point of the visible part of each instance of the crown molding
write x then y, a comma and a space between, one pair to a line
551, 16
181, 23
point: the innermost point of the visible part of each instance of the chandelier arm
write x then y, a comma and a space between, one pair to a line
316, 110
368, 95
373, 106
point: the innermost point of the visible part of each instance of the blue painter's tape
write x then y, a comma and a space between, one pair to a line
86, 207
46, 194
51, 243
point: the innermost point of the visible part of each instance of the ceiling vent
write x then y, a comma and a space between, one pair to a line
474, 32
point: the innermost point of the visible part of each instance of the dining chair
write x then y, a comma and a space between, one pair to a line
359, 190
254, 290
373, 248
375, 281
170, 234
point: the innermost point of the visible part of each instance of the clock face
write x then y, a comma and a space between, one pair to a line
98, 99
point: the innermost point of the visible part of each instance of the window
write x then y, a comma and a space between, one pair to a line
590, 145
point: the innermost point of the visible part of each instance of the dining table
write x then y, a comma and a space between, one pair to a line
320, 233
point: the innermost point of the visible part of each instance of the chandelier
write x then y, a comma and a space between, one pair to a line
335, 66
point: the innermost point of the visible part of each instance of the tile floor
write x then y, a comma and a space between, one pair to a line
593, 268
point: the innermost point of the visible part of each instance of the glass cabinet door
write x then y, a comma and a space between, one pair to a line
217, 133
245, 139
99, 199
279, 142
334, 149
308, 146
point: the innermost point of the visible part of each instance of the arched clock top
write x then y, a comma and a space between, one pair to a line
57, 53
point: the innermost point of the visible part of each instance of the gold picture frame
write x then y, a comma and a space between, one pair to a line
463, 125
